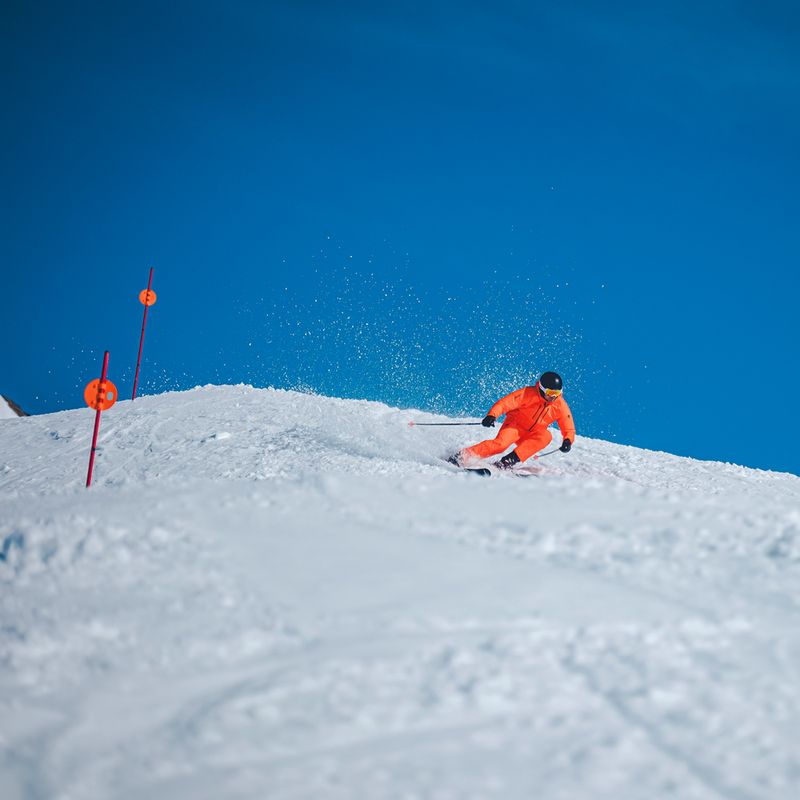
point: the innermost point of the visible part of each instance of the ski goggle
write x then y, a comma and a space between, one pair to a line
550, 394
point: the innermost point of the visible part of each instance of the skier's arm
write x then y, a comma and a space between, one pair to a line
565, 422
507, 403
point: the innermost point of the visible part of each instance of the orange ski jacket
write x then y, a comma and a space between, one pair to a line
526, 409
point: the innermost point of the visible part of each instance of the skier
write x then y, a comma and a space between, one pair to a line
528, 413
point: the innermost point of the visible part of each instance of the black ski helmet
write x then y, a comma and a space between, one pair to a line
551, 381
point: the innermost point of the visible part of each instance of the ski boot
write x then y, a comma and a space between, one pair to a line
508, 461
455, 460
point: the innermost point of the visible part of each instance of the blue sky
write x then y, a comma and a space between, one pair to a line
421, 203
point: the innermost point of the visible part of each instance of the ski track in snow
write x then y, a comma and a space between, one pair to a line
273, 594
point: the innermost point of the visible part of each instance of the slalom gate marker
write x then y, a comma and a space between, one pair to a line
147, 297
100, 395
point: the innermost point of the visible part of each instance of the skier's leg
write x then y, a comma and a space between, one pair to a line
491, 447
537, 440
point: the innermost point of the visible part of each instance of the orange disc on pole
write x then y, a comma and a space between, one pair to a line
147, 297
100, 395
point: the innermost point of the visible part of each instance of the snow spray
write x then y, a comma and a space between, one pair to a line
147, 297
100, 395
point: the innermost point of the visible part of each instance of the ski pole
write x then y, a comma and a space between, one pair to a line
549, 453
439, 424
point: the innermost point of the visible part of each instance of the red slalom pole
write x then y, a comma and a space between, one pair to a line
147, 298
100, 395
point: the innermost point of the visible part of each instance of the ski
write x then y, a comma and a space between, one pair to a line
485, 472
482, 471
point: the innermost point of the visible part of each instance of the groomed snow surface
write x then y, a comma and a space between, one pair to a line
269, 594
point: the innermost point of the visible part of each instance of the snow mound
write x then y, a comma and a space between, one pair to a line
9, 409
269, 593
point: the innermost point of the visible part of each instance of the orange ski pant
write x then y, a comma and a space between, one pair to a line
528, 443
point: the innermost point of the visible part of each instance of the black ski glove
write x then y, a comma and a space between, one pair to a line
488, 421
566, 446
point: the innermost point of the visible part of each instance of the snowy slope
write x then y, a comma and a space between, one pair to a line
270, 594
